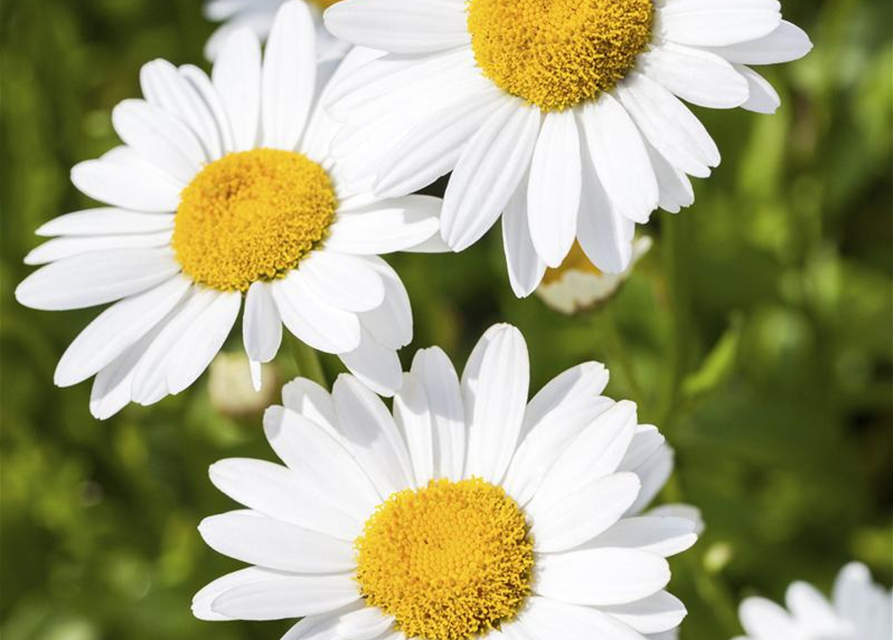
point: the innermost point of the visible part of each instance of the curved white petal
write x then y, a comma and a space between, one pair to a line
763, 96
310, 400
251, 537
115, 330
312, 320
386, 226
787, 43
600, 576
68, 247
159, 137
372, 436
375, 364
654, 614
663, 536
261, 324
165, 87
414, 421
390, 323
343, 281
488, 171
440, 383
526, 267
547, 619
237, 80
279, 596
289, 76
710, 23
695, 75
106, 221
553, 194
394, 25
135, 184
280, 493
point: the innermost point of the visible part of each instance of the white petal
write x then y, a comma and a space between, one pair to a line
256, 539
495, 384
68, 247
554, 418
106, 221
162, 139
281, 595
668, 125
554, 191
202, 341
395, 26
676, 191
663, 536
115, 330
646, 441
95, 278
654, 614
695, 75
547, 619
438, 378
320, 459
762, 618
279, 493
432, 147
526, 267
343, 281
202, 84
595, 453
112, 386
313, 321
372, 436
488, 171
605, 235
763, 97
787, 43
619, 157
376, 365
165, 87
710, 23
810, 607
390, 323
201, 602
261, 324
237, 79
289, 76
654, 473
311, 401
385, 227
364, 624
320, 627
150, 376
583, 514
600, 576
136, 185
414, 421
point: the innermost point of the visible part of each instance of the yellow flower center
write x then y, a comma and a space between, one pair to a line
576, 260
450, 561
558, 53
252, 216
324, 4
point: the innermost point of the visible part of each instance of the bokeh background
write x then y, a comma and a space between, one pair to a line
757, 335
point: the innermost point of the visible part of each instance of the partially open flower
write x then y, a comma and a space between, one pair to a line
578, 285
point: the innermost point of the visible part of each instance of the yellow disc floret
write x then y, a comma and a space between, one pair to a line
252, 216
450, 561
576, 260
558, 53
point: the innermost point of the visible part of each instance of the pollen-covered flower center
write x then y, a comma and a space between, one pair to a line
252, 216
558, 53
449, 561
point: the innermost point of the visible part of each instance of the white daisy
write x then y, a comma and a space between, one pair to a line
858, 610
466, 512
224, 190
578, 285
258, 15
565, 115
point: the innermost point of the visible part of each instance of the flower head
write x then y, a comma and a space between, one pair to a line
225, 192
562, 116
858, 610
465, 512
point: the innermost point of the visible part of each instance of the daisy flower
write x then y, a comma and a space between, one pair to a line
258, 15
578, 285
858, 610
224, 191
563, 116
466, 512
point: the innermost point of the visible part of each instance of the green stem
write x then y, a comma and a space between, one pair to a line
308, 363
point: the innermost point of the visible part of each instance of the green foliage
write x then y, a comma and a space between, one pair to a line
757, 335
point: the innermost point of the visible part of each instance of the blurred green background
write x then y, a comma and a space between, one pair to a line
757, 335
